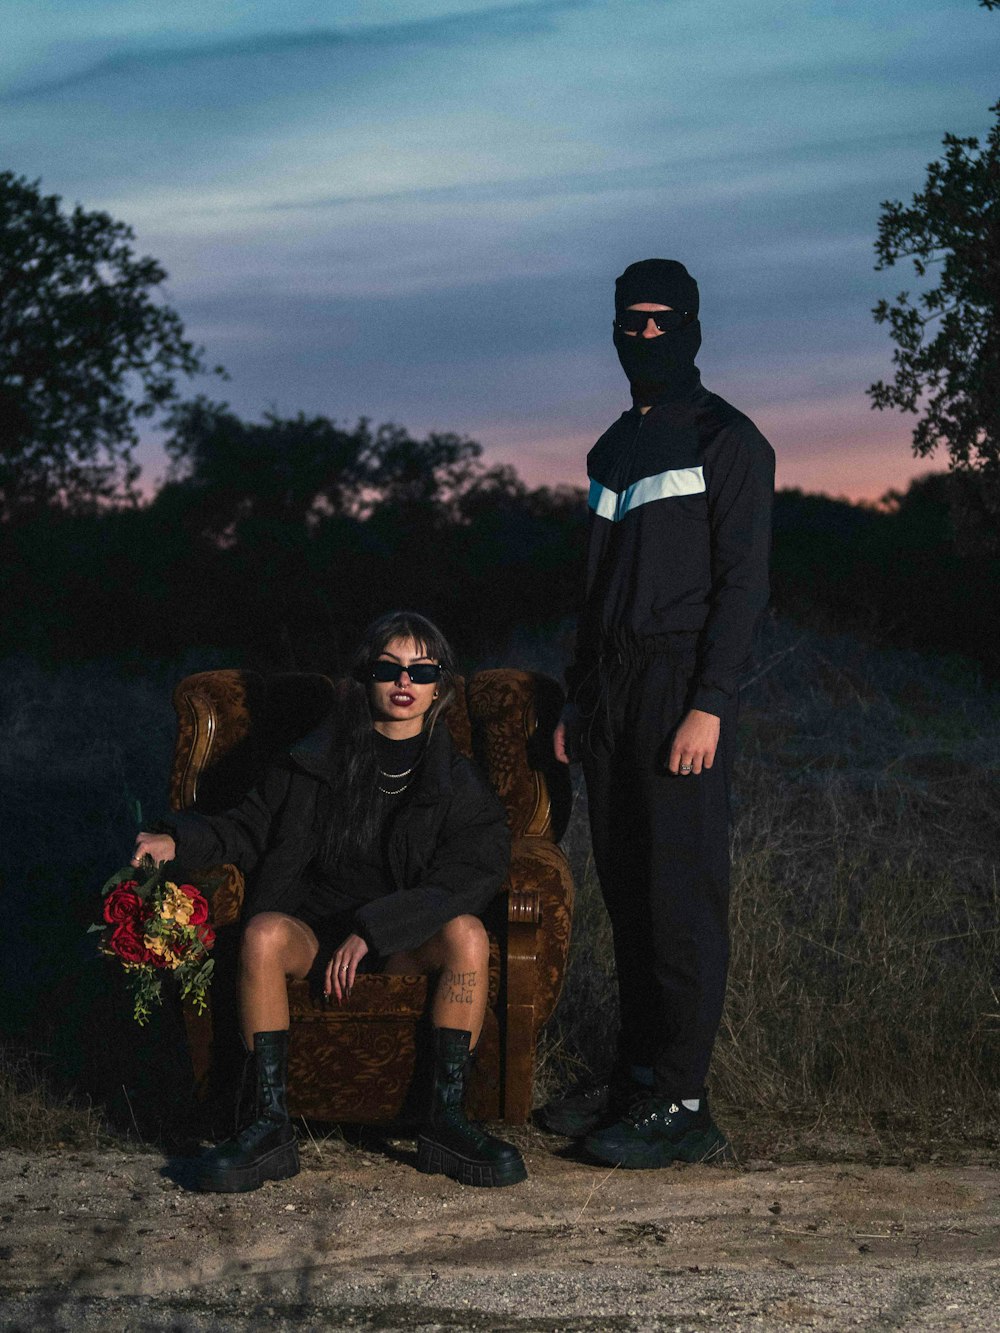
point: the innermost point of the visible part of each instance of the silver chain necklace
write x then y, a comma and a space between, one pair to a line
394, 777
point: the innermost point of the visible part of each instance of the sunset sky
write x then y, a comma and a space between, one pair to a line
415, 210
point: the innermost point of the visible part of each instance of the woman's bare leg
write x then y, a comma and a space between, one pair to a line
447, 1143
274, 948
460, 953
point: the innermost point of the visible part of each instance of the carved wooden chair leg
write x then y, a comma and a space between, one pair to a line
200, 1039
521, 985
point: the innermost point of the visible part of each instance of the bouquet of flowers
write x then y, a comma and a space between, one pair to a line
154, 927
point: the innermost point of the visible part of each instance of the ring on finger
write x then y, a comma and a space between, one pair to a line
687, 768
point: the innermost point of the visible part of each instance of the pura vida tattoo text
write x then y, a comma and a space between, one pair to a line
459, 986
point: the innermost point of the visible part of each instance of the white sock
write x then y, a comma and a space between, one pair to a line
692, 1105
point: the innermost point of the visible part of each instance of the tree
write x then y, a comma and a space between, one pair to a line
87, 350
302, 469
947, 353
227, 473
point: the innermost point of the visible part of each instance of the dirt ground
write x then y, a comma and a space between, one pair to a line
116, 1240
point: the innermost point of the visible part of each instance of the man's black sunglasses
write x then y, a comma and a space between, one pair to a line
420, 673
667, 321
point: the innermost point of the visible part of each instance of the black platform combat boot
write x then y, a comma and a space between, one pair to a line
448, 1144
266, 1148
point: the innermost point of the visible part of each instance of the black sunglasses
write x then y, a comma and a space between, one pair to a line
667, 321
420, 673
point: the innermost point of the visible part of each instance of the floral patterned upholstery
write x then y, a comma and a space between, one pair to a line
357, 1062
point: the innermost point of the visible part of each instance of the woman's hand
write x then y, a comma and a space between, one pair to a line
160, 846
342, 968
566, 737
695, 743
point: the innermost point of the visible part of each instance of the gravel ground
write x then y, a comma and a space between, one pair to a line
115, 1240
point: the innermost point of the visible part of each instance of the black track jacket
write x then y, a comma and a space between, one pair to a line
679, 540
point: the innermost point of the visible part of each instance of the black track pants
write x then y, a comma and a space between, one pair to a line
661, 848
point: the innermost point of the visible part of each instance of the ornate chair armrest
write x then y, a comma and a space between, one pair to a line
539, 901
524, 906
227, 893
541, 897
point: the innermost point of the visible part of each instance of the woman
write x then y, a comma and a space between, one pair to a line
372, 846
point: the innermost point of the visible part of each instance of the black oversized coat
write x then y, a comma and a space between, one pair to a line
448, 847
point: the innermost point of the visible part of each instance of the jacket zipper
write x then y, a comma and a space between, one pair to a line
630, 459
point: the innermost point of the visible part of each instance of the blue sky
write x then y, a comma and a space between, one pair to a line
415, 211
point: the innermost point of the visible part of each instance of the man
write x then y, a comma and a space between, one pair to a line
680, 496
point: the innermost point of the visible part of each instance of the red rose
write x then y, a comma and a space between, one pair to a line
206, 935
199, 903
204, 939
123, 903
128, 945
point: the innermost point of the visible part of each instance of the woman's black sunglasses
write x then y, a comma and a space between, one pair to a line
420, 673
667, 321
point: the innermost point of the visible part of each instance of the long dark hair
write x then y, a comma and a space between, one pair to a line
356, 807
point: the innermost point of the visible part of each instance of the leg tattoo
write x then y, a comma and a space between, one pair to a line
458, 987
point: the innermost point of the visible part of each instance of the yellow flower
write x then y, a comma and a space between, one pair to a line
162, 949
176, 906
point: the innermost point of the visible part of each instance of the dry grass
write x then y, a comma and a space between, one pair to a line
33, 1116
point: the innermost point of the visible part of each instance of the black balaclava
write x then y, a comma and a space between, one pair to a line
663, 368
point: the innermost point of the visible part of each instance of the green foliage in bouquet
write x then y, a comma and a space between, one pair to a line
156, 927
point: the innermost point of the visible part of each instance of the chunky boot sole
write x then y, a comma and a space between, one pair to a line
434, 1160
278, 1164
699, 1145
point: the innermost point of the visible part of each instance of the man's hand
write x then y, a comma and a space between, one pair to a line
342, 968
566, 737
160, 846
695, 743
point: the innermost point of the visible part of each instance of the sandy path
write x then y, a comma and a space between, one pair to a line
111, 1240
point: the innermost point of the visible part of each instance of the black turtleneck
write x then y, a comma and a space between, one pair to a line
397, 757
341, 887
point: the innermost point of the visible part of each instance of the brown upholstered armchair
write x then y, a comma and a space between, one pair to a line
356, 1063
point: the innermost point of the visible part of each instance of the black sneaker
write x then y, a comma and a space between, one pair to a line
657, 1131
588, 1105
